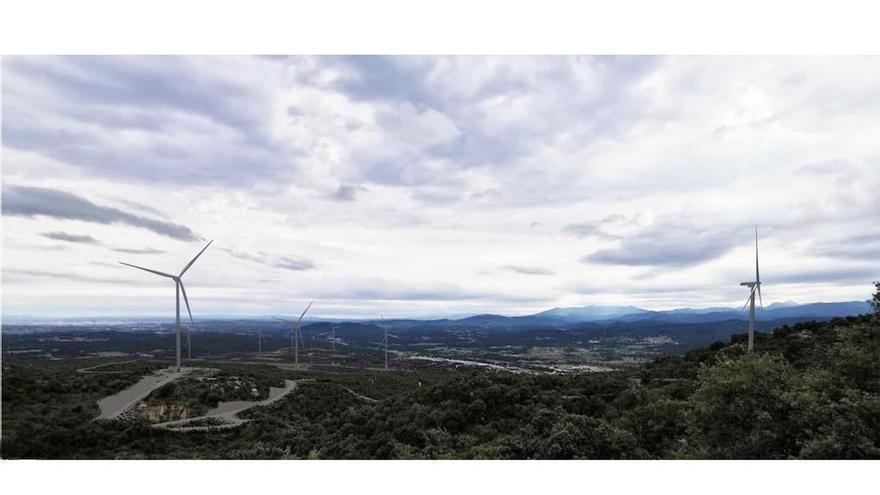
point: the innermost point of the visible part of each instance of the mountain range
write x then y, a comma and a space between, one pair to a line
556, 317
788, 311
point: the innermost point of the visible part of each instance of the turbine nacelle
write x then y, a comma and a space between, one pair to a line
178, 281
296, 335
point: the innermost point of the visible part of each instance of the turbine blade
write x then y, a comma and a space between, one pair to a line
194, 259
148, 270
304, 312
759, 296
757, 272
185, 300
282, 319
748, 298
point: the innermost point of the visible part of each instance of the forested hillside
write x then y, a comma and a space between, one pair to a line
811, 390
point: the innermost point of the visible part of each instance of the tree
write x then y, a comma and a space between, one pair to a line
875, 301
739, 407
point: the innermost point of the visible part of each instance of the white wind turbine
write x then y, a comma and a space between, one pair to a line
296, 336
331, 335
385, 339
755, 286
178, 283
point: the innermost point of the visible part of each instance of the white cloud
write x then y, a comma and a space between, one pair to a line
442, 184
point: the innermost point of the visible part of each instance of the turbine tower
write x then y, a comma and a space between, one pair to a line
296, 336
333, 334
385, 339
189, 354
178, 284
755, 286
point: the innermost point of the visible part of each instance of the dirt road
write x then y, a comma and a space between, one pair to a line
226, 413
115, 405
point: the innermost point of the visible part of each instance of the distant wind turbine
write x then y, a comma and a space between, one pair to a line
750, 302
331, 335
296, 336
385, 339
178, 283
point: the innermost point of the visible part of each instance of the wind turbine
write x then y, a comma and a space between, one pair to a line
296, 336
755, 286
331, 335
178, 283
385, 339
260, 341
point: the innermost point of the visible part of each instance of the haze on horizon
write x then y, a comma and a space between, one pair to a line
436, 185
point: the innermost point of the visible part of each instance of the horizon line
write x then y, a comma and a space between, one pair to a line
423, 317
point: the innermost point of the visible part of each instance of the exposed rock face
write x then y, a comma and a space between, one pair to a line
162, 412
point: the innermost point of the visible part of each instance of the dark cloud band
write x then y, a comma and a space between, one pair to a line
35, 201
64, 236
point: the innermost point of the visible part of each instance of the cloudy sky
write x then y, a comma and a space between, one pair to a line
434, 185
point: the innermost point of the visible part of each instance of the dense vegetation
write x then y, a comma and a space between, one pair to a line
810, 390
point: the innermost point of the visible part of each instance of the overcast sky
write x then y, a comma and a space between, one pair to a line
434, 185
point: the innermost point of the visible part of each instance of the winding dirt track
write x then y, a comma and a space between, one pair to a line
360, 396
91, 369
226, 413
117, 404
